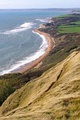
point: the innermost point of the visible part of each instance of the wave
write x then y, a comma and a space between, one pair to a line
43, 20
28, 59
44, 44
21, 28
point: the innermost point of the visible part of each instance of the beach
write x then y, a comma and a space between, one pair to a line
20, 47
36, 63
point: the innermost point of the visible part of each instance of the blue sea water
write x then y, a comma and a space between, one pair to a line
19, 45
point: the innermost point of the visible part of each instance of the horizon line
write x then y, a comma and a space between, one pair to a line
33, 8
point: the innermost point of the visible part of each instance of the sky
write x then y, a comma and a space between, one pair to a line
27, 4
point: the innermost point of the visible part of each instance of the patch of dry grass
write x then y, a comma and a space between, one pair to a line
55, 95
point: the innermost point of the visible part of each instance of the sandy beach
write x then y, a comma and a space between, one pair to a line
38, 61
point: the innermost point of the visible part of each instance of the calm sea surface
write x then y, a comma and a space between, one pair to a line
19, 45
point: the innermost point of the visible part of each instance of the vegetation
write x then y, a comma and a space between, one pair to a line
53, 96
66, 41
10, 82
71, 28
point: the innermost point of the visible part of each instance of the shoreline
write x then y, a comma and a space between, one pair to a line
36, 63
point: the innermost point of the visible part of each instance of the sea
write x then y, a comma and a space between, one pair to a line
19, 44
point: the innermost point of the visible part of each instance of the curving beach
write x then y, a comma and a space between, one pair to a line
38, 61
20, 48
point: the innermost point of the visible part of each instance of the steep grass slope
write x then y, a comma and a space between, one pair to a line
53, 96
65, 44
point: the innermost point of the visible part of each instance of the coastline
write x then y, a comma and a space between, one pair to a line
36, 63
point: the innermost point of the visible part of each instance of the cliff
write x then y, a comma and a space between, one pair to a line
54, 95
52, 91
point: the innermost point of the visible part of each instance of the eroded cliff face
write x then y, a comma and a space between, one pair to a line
53, 96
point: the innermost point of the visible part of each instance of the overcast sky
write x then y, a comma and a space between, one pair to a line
13, 4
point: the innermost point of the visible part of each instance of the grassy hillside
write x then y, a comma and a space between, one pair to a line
10, 82
56, 94
65, 44
53, 96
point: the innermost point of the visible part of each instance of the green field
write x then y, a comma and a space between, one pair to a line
63, 16
72, 28
77, 23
